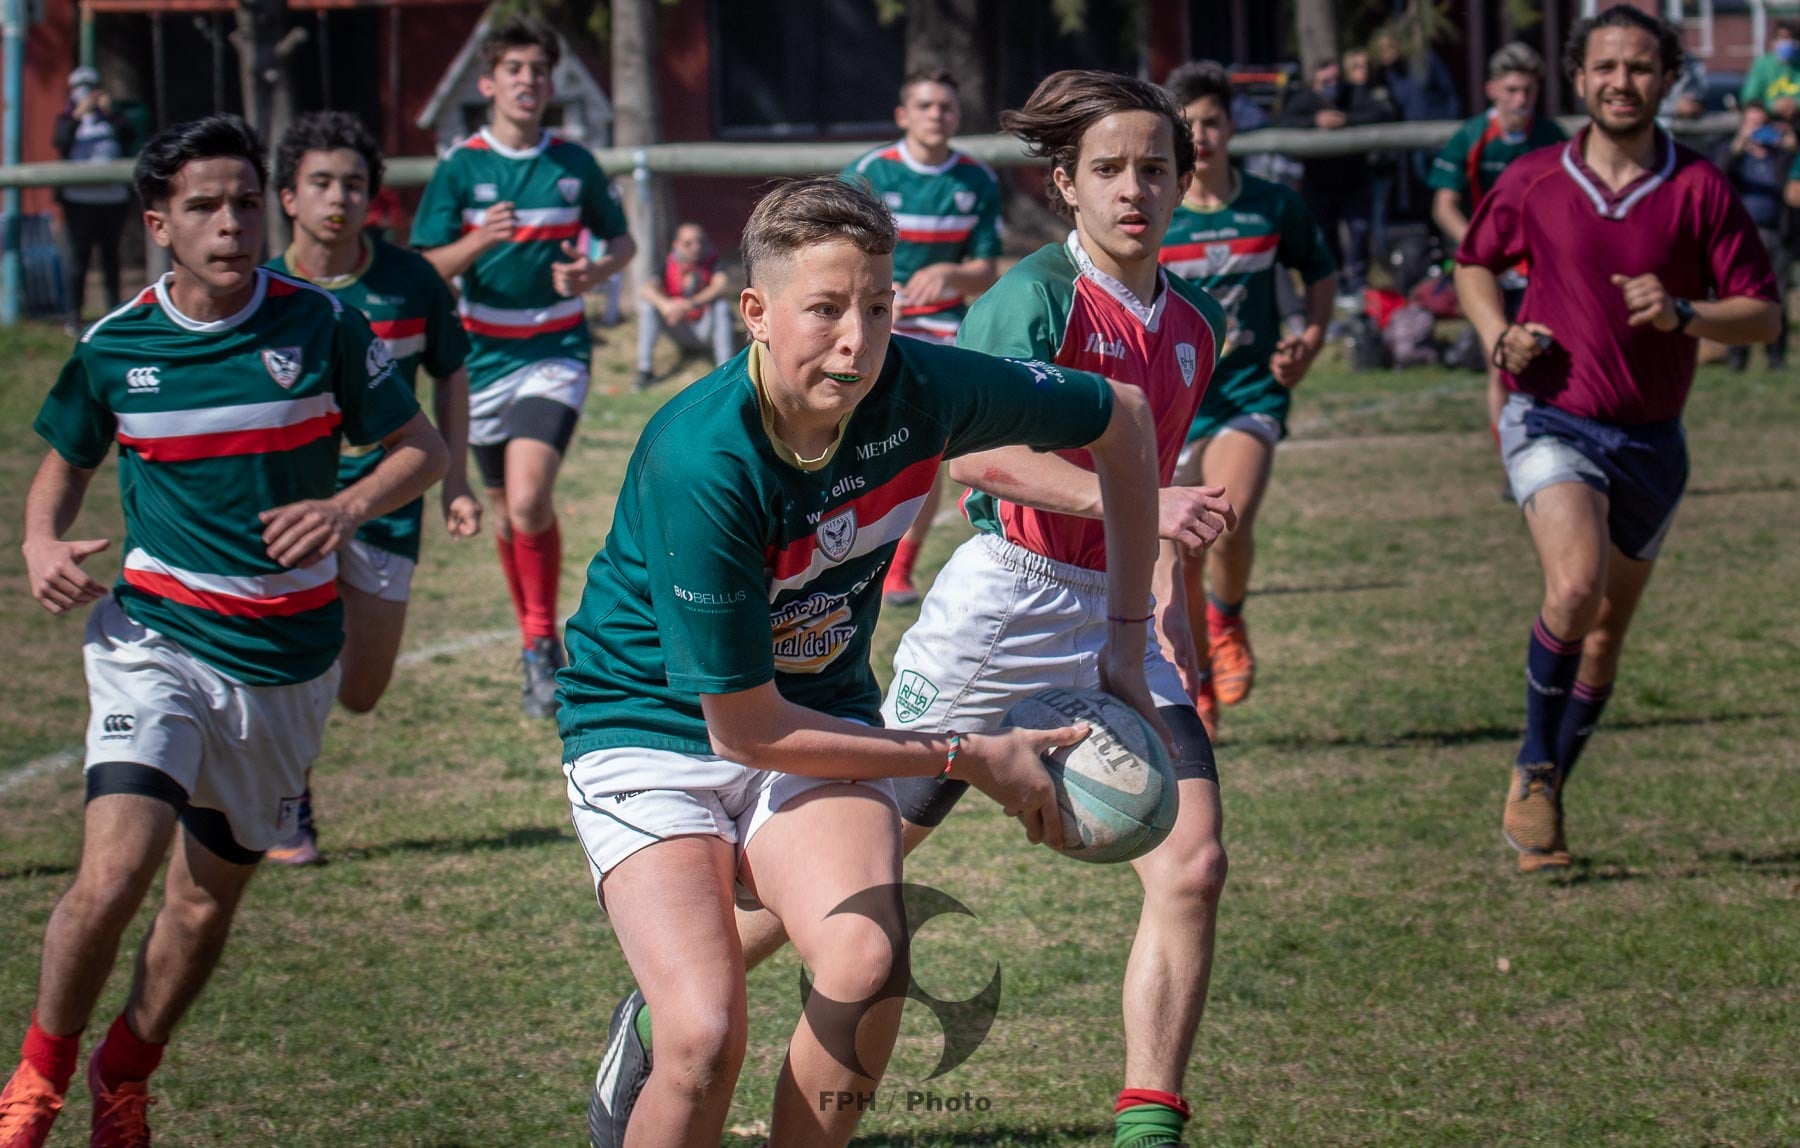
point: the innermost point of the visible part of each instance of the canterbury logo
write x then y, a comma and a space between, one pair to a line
118, 723
142, 380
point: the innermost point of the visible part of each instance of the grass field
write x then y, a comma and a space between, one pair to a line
1383, 976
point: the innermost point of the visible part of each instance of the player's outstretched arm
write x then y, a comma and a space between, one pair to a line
1194, 516
452, 259
52, 565
1125, 462
760, 729
302, 533
450, 410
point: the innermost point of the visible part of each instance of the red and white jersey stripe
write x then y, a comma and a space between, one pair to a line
220, 432
521, 323
882, 516
255, 596
531, 224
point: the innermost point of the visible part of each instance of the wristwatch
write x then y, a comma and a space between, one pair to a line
1684, 314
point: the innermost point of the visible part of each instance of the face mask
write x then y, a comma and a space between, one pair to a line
1788, 50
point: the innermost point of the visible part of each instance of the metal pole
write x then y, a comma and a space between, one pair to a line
645, 231
87, 36
12, 266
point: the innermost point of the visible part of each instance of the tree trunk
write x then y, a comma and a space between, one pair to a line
951, 34
637, 120
265, 44
1318, 35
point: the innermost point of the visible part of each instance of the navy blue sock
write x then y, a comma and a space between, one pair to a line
1225, 609
1550, 665
1585, 705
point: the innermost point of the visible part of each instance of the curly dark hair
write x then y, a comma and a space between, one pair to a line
1667, 36
173, 148
518, 32
1198, 80
326, 131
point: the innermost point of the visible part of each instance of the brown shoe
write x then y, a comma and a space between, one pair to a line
1532, 822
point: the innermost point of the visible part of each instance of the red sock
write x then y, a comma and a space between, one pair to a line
122, 1056
1217, 620
53, 1056
540, 571
1132, 1097
905, 555
509, 566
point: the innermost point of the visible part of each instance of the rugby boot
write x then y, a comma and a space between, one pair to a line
1532, 821
28, 1107
897, 589
541, 660
121, 1114
623, 1071
302, 848
1233, 662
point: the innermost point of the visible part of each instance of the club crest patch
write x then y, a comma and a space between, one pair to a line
283, 364
892, 199
1186, 359
1218, 257
837, 534
965, 201
570, 188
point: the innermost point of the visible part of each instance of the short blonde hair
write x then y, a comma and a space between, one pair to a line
803, 212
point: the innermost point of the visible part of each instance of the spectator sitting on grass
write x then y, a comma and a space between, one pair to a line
688, 302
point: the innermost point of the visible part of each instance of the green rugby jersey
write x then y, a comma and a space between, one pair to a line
1057, 305
1480, 150
217, 422
1232, 253
729, 564
944, 214
509, 305
413, 312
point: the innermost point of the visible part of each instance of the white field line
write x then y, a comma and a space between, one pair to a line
63, 758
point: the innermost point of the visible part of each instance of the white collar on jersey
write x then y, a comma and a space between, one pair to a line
1150, 316
501, 149
1619, 210
912, 164
225, 324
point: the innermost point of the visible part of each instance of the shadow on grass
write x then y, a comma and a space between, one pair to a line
1489, 734
1779, 486
528, 838
1344, 588
994, 1137
1600, 871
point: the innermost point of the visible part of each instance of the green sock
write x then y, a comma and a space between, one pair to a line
642, 1023
1142, 1125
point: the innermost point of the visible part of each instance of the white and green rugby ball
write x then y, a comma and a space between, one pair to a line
1115, 787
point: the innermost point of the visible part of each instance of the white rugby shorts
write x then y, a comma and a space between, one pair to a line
622, 800
375, 571
562, 381
239, 749
999, 624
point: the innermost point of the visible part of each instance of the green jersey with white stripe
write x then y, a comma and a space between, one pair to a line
1233, 254
217, 422
944, 214
510, 306
412, 311
732, 563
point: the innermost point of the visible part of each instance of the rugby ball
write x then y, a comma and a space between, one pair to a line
1116, 787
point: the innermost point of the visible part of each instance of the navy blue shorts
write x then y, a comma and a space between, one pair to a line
1641, 469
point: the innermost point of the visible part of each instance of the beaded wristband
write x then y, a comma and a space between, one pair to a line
950, 755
